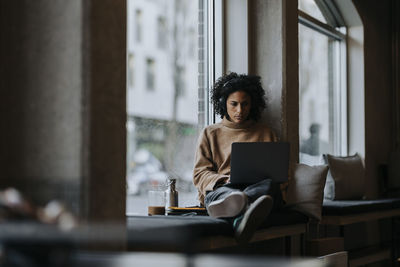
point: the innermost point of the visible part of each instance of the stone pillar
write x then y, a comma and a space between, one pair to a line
273, 54
41, 85
62, 103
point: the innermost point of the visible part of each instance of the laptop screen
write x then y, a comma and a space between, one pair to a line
256, 161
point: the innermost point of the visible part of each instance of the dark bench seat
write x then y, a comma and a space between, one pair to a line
197, 233
345, 207
343, 212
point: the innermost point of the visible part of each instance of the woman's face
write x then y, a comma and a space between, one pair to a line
238, 106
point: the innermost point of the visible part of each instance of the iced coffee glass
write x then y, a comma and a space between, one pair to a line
156, 202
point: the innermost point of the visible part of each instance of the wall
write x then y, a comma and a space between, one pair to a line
104, 102
376, 18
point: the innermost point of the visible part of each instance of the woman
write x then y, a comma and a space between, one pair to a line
239, 100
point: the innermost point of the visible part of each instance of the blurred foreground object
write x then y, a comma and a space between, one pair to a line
15, 207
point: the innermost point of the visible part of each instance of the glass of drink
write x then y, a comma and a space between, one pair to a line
156, 202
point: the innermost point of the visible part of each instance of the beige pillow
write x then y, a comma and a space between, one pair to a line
346, 178
306, 189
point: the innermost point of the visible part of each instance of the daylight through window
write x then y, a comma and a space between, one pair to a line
322, 74
166, 109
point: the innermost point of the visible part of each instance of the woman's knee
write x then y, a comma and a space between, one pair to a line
218, 193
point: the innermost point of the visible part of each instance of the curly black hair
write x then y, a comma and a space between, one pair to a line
232, 82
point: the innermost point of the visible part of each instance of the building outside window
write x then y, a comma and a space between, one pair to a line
168, 107
192, 44
322, 81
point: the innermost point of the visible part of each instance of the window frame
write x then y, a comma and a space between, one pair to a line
214, 52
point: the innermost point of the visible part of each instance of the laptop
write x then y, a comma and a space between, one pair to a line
256, 161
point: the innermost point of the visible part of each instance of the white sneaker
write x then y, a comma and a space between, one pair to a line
230, 206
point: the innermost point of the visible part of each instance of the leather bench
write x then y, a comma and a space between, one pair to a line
345, 212
203, 233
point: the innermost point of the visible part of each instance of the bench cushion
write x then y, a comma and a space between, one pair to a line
347, 207
181, 232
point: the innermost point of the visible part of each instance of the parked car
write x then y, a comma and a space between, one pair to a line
147, 172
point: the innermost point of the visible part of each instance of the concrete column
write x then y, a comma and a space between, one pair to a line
273, 54
41, 96
62, 103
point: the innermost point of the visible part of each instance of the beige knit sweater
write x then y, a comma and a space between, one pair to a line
213, 154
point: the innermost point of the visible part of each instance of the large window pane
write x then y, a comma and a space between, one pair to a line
163, 109
315, 95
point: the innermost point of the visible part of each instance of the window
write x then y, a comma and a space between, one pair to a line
169, 104
150, 74
322, 81
130, 69
138, 25
162, 32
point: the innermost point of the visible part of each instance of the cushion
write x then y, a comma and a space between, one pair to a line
306, 189
345, 179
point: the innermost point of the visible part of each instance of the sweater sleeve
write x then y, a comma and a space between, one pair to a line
205, 175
